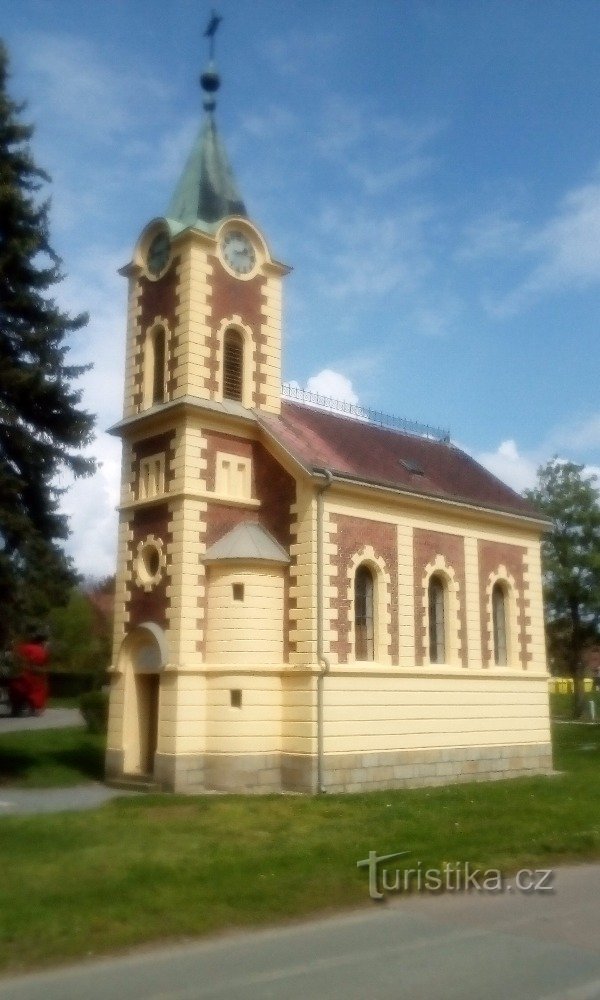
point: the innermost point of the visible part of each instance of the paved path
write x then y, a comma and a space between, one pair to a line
14, 801
510, 946
21, 801
52, 718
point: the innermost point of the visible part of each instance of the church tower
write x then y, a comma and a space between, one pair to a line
203, 362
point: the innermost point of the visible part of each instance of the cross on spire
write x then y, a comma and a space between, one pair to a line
211, 30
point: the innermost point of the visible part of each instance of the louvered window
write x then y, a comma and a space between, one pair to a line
364, 644
233, 365
437, 624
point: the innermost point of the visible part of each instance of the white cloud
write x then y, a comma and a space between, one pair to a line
519, 469
90, 505
94, 286
381, 152
163, 156
565, 249
378, 182
435, 319
492, 235
509, 465
82, 88
397, 258
333, 384
274, 120
584, 434
290, 54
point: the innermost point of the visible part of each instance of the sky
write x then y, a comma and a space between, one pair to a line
430, 170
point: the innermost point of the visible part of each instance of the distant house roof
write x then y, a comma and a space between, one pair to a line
247, 541
355, 449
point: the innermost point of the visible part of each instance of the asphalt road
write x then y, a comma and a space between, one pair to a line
468, 946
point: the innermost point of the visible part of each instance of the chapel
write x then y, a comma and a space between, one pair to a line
310, 597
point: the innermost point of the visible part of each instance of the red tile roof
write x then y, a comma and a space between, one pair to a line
370, 453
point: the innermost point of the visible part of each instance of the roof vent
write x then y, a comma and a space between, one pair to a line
413, 467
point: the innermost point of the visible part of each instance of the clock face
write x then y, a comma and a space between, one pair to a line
238, 252
158, 253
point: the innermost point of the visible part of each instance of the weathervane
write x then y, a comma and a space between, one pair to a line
211, 30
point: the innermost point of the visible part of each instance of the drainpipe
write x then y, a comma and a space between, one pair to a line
323, 661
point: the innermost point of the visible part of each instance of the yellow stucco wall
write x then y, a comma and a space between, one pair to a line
248, 631
254, 727
367, 712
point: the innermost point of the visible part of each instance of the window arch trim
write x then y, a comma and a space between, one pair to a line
503, 579
437, 599
233, 365
382, 618
365, 601
452, 630
155, 386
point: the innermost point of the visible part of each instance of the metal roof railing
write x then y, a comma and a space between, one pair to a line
364, 413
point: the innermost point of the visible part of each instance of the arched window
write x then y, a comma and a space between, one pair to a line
157, 361
499, 608
364, 635
233, 365
437, 620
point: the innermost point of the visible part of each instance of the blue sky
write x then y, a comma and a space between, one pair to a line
431, 170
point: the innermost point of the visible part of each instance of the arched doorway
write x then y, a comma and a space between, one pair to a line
142, 659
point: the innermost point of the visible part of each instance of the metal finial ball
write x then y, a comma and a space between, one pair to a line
210, 81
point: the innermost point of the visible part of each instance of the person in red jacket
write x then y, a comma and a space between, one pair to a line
28, 690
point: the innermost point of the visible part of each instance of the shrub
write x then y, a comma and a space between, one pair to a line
65, 684
94, 707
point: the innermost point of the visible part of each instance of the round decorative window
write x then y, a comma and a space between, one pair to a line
150, 562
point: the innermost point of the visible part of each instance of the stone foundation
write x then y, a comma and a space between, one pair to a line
243, 772
179, 772
359, 772
364, 772
113, 764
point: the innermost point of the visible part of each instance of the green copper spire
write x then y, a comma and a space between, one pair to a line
207, 192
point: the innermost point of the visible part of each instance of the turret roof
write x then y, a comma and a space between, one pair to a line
207, 191
248, 541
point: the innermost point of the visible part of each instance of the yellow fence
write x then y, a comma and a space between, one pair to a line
564, 685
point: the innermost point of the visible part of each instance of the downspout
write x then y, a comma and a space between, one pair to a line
322, 660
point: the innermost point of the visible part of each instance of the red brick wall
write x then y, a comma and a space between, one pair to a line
427, 545
491, 556
221, 518
273, 486
156, 298
153, 605
352, 534
229, 296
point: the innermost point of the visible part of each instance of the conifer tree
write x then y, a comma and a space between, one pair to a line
42, 426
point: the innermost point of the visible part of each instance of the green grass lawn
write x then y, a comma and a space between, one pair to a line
50, 758
149, 868
561, 705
